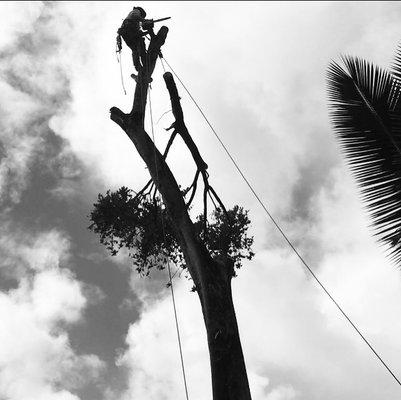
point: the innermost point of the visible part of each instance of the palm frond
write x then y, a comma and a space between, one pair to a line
396, 73
396, 65
365, 112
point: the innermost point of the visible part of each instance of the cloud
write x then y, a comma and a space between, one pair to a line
282, 393
67, 299
34, 87
23, 18
153, 358
37, 360
41, 298
25, 252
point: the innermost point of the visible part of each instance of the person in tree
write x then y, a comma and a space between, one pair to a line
133, 30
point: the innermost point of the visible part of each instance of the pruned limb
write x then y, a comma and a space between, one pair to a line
119, 117
179, 123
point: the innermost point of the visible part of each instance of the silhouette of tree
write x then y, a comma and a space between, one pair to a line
157, 228
365, 109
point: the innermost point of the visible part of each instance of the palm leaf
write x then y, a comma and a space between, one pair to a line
396, 66
365, 112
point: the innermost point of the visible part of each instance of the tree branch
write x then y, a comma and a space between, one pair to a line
205, 210
179, 124
221, 204
170, 142
140, 193
193, 186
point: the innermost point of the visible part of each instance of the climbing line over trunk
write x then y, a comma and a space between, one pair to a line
177, 326
283, 234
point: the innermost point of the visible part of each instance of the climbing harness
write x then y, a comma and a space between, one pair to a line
147, 24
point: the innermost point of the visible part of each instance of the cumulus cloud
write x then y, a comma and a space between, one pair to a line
36, 362
41, 298
153, 357
34, 88
24, 251
37, 359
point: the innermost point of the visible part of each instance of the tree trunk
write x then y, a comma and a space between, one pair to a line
229, 377
212, 277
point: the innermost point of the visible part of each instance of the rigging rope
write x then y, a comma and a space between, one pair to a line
161, 116
161, 60
168, 263
119, 59
282, 232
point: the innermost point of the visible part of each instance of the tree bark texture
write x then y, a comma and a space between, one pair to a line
211, 277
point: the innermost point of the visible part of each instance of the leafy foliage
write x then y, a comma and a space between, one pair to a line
142, 225
123, 220
366, 114
226, 234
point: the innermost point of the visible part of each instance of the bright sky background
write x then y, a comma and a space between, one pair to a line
78, 324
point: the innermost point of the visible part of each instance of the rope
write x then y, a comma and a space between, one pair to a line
161, 59
168, 266
119, 59
161, 116
283, 233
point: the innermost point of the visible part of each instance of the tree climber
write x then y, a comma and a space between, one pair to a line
133, 30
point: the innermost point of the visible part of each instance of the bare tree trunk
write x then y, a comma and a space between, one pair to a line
229, 377
212, 277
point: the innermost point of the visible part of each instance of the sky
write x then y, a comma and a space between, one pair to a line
79, 324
